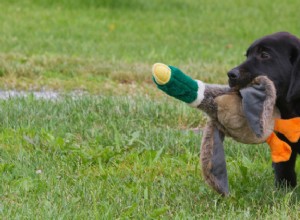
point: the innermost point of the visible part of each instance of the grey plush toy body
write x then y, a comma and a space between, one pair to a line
249, 120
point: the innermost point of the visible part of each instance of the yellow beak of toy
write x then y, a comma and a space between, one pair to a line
161, 73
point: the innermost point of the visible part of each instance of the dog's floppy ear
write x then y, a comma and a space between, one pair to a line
212, 159
258, 101
294, 87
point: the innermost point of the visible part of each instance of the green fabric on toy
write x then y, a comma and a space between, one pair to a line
177, 85
248, 116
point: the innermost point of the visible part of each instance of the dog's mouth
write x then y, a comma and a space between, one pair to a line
232, 83
236, 84
240, 82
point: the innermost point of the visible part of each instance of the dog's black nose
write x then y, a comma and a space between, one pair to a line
233, 74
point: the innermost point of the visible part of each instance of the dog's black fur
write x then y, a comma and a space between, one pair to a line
278, 57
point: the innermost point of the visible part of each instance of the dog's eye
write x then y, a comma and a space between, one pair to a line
264, 55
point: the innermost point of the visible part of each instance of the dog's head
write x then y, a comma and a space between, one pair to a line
276, 56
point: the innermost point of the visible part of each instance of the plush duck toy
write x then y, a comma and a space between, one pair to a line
249, 116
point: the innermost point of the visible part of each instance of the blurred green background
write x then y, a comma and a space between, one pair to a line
121, 39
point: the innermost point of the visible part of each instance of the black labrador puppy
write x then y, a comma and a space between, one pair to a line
278, 57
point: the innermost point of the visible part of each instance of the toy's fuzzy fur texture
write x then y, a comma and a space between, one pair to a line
224, 108
208, 104
207, 152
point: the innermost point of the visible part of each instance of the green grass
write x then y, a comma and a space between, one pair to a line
125, 150
123, 158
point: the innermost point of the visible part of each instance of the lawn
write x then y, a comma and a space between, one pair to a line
120, 149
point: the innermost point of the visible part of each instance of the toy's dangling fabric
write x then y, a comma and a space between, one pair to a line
212, 159
253, 106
